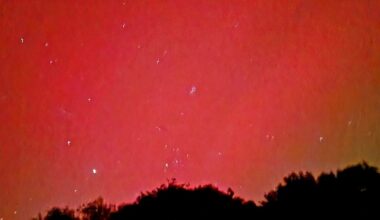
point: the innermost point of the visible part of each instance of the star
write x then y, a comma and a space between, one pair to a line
22, 40
269, 137
46, 44
94, 171
321, 139
193, 90
166, 169
68, 142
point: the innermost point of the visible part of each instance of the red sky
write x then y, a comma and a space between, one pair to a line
112, 98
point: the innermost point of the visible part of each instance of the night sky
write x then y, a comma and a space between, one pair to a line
113, 98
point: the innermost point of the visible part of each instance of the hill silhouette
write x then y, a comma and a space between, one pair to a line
353, 193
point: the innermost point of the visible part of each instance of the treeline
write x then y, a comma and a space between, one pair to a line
352, 193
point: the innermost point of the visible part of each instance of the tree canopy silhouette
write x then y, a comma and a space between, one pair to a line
353, 192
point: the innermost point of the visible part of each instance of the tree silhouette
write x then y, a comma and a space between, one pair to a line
297, 193
60, 214
353, 192
169, 200
96, 210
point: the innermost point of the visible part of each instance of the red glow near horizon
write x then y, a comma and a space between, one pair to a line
113, 98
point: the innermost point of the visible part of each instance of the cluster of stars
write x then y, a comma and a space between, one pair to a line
175, 162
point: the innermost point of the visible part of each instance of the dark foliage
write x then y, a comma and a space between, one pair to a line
171, 200
352, 193
60, 214
96, 210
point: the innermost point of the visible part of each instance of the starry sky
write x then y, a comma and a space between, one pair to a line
112, 98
